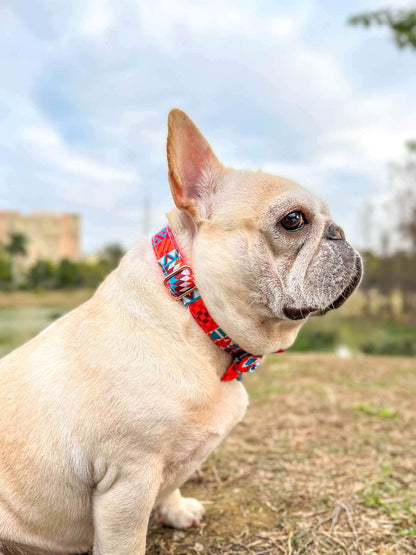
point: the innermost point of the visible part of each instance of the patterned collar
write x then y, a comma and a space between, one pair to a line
179, 280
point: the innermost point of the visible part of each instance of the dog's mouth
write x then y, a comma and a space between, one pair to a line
301, 313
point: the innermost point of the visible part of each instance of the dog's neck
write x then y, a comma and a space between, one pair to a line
179, 280
182, 226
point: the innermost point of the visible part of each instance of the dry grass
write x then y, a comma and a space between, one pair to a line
324, 463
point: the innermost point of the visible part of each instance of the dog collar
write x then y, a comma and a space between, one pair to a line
180, 282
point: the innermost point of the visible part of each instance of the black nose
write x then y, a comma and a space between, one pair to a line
334, 232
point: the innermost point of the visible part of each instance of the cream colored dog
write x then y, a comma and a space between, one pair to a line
107, 412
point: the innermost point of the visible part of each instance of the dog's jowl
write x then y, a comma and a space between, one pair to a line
106, 413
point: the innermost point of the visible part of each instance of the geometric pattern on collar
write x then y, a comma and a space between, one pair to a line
180, 282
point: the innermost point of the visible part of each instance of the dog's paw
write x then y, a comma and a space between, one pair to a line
185, 513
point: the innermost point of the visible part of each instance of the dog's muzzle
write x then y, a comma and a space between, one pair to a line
301, 313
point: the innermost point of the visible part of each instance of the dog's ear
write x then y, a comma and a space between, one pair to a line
193, 167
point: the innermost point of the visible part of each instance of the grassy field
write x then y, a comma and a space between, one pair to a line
324, 463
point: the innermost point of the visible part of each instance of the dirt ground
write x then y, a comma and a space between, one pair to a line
324, 463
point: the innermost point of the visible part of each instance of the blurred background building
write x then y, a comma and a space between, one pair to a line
51, 236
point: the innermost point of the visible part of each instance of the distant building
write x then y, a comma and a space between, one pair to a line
51, 236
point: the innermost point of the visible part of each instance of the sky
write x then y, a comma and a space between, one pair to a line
287, 87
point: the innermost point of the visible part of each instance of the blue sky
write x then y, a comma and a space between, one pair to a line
288, 87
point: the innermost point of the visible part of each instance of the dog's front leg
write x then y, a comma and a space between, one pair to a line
182, 512
121, 515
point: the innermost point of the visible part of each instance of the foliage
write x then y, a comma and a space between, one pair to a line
394, 225
45, 274
389, 272
82, 274
41, 275
318, 340
360, 333
113, 253
411, 145
403, 25
68, 274
401, 22
403, 178
5, 268
402, 347
16, 247
17, 244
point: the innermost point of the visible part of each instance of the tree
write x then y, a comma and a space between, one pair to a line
68, 275
16, 248
401, 22
5, 268
404, 186
42, 274
113, 252
408, 229
399, 269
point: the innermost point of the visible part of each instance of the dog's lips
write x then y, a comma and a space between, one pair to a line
301, 313
298, 313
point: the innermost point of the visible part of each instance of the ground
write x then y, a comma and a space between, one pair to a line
323, 463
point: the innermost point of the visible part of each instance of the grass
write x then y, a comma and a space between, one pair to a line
323, 463
41, 298
19, 324
380, 412
23, 314
376, 336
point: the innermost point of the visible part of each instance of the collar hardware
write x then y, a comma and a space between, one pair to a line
172, 291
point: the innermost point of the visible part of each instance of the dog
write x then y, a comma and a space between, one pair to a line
108, 411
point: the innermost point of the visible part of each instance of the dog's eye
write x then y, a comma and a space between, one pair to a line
293, 221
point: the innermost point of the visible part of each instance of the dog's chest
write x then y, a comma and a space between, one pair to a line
203, 429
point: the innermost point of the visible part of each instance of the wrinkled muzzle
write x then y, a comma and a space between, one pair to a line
332, 276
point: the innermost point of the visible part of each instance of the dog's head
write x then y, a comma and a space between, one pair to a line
265, 252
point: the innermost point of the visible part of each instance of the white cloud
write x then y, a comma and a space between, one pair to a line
49, 146
96, 19
289, 88
163, 21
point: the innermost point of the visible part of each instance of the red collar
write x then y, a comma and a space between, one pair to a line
180, 282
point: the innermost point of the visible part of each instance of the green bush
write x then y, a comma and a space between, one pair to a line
5, 271
41, 275
400, 347
68, 275
44, 274
316, 340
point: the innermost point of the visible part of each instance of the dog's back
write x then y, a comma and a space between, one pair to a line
93, 389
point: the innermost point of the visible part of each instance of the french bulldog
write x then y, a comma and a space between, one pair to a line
108, 411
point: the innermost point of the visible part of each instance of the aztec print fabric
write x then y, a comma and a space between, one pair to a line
179, 279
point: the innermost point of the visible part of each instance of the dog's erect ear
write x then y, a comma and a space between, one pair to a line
193, 167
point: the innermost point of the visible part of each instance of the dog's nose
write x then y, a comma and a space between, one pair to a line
334, 232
